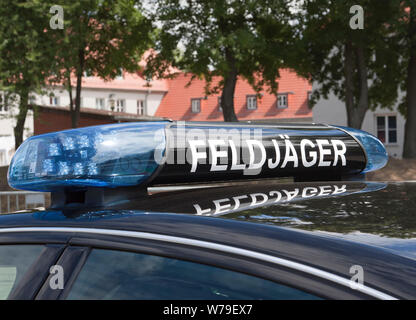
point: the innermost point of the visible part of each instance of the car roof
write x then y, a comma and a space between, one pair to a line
323, 218
332, 255
377, 213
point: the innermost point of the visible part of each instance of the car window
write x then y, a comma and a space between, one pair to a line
15, 261
111, 274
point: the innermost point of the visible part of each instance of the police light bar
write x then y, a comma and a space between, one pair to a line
135, 154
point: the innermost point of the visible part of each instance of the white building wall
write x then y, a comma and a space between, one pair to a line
7, 124
89, 97
153, 102
333, 111
395, 150
330, 111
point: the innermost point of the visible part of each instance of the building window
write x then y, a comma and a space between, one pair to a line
251, 102
120, 105
219, 104
282, 101
196, 105
100, 103
3, 103
140, 108
387, 129
54, 101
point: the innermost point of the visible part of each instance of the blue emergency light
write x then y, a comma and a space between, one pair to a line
377, 156
135, 154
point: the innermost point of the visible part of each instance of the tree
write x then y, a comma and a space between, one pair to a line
406, 30
100, 37
356, 60
25, 62
224, 39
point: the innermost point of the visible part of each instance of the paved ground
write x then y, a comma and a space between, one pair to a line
396, 170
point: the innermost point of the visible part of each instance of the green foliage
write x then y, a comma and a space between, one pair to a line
24, 60
213, 38
325, 30
98, 36
108, 34
406, 37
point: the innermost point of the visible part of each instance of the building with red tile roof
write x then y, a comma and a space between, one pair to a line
291, 103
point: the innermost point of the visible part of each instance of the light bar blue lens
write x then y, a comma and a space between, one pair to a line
377, 156
103, 156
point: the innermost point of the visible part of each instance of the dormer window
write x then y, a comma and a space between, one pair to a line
251, 102
282, 101
196, 105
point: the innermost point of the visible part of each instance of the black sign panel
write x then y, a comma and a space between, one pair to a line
214, 152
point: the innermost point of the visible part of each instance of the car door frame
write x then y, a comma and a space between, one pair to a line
80, 245
38, 272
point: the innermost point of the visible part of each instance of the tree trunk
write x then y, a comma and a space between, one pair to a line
75, 111
79, 72
362, 106
227, 96
21, 118
69, 88
409, 149
355, 59
349, 82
